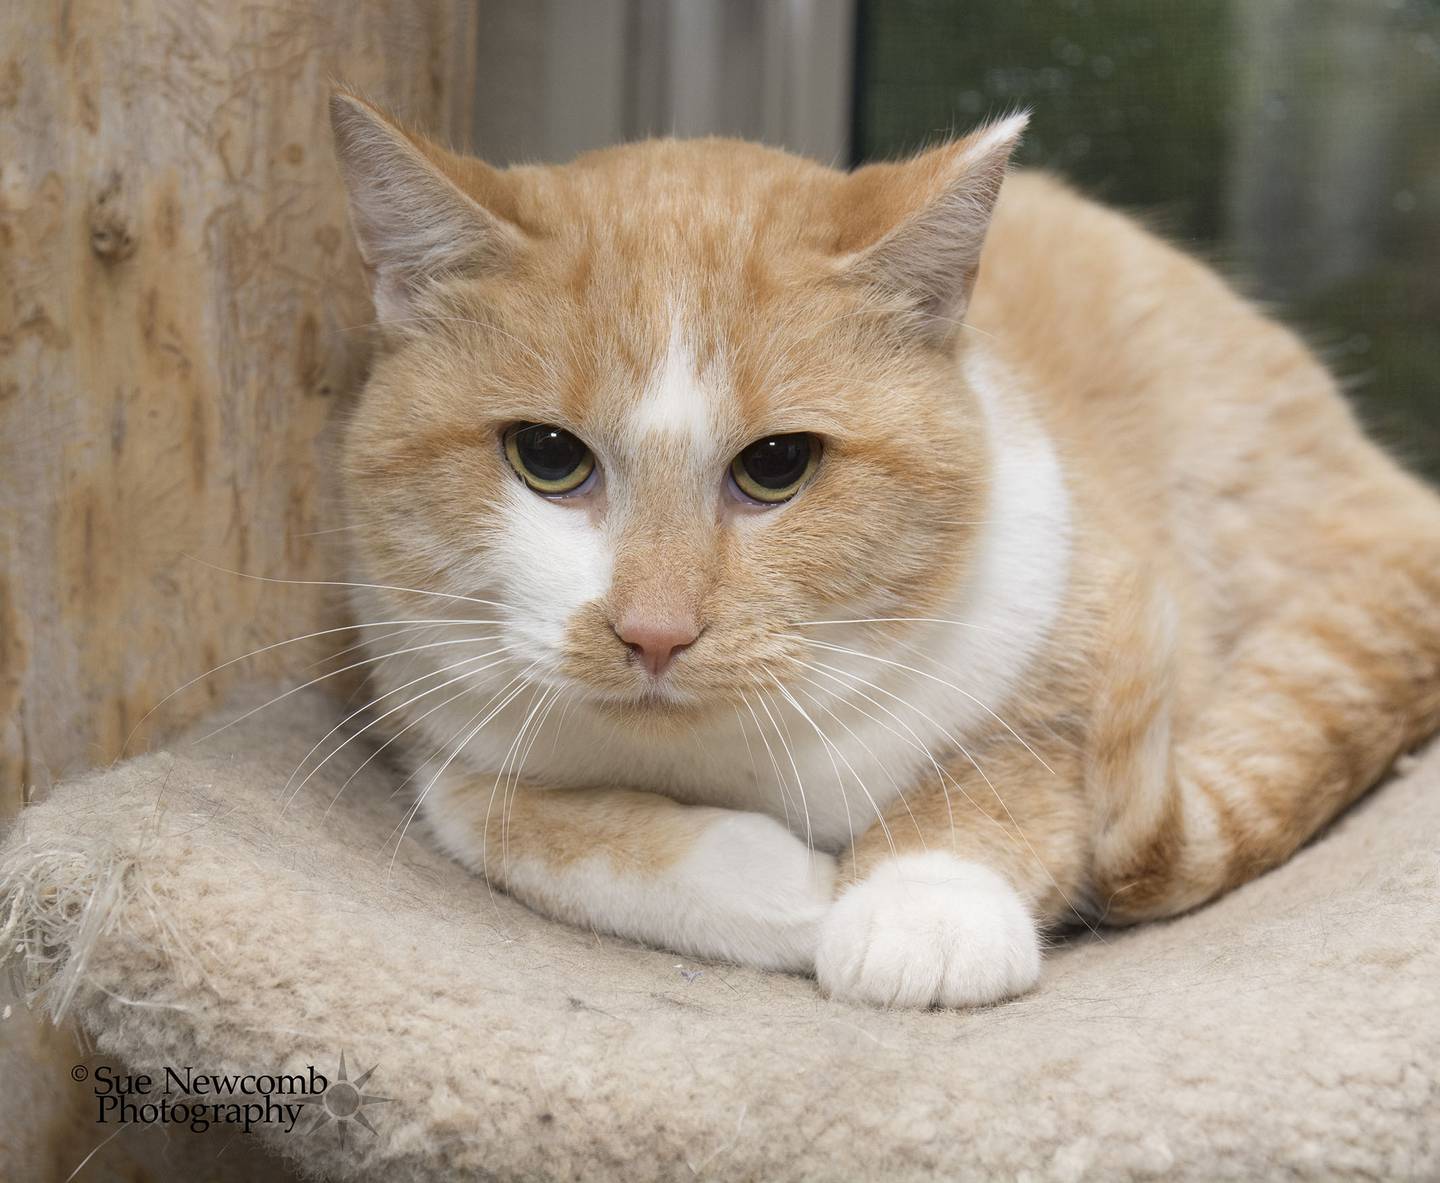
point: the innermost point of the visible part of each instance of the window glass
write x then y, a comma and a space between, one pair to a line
1294, 144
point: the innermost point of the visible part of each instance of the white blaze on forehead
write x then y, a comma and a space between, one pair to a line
677, 401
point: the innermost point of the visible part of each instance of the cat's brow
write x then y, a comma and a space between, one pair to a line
789, 420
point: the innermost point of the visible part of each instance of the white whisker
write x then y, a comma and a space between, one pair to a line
899, 792
324, 632
915, 741
459, 747
414, 591
537, 701
784, 739
332, 674
385, 715
774, 763
464, 690
897, 620
555, 694
373, 641
932, 677
832, 672
832, 751
421, 765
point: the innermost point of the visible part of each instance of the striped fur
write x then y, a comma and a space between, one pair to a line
1099, 602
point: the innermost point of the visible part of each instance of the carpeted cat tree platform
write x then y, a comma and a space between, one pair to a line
175, 911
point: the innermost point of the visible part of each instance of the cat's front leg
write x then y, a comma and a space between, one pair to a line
712, 883
929, 929
945, 899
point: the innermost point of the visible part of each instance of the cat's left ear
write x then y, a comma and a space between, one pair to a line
916, 228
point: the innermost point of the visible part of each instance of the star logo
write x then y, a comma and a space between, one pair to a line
343, 1101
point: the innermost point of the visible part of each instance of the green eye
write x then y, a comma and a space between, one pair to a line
771, 470
549, 459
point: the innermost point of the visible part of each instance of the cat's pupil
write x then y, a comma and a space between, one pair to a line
777, 461
550, 453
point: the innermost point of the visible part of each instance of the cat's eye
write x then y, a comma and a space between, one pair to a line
773, 469
549, 459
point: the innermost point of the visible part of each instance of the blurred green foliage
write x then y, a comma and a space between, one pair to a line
1128, 105
1295, 144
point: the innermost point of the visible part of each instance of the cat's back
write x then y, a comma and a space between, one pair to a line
1126, 340
1204, 429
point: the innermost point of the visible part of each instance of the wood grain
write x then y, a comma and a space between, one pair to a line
178, 297
177, 290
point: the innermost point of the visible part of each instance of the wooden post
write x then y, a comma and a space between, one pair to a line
177, 294
178, 300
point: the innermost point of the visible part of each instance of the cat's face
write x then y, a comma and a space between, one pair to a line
664, 410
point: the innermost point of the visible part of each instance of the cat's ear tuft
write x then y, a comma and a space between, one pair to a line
923, 222
413, 223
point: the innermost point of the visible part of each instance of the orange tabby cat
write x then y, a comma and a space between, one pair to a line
791, 590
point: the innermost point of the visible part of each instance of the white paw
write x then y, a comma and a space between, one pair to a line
928, 930
750, 891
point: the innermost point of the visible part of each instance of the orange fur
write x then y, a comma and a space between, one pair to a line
1249, 630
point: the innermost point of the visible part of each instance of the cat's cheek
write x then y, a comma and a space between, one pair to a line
555, 561
928, 930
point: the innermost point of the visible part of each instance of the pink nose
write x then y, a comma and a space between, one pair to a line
656, 640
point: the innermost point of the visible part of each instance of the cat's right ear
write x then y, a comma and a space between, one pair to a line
413, 223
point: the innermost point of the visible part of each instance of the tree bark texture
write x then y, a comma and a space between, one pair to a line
179, 312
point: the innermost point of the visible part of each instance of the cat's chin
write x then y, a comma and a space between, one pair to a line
655, 706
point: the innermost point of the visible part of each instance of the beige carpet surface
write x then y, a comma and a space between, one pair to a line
181, 916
